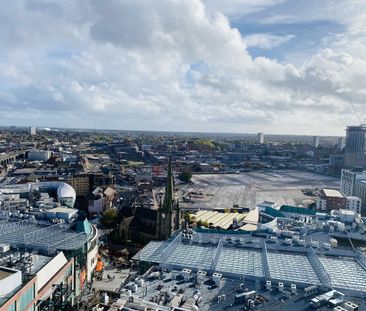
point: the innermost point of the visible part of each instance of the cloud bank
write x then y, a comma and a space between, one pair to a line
179, 65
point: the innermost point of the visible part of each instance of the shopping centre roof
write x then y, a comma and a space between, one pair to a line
237, 258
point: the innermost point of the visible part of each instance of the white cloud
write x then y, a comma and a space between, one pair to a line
267, 41
234, 8
172, 65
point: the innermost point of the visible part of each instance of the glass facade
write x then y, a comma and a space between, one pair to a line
12, 307
26, 298
355, 146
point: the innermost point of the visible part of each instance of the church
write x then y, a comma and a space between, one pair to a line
154, 222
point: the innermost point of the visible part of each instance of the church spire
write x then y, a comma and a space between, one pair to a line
169, 189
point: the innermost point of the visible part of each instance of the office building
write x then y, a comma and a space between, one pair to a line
81, 184
355, 146
354, 203
335, 164
340, 143
86, 183
360, 191
330, 199
260, 138
349, 178
36, 281
316, 141
33, 130
39, 155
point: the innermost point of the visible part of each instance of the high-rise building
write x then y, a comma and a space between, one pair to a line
260, 138
355, 146
33, 130
335, 164
340, 143
315, 141
360, 191
349, 178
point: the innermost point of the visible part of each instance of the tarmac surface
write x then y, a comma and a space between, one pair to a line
225, 191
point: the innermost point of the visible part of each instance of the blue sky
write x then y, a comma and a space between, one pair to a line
273, 66
306, 41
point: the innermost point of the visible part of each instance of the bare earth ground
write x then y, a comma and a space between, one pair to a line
222, 191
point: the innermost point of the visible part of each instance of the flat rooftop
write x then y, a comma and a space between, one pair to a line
64, 210
181, 292
4, 273
112, 283
333, 193
242, 255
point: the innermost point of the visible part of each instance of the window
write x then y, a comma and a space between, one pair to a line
12, 307
26, 298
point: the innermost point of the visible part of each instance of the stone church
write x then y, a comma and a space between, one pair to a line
150, 223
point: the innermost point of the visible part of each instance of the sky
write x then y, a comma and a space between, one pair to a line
235, 66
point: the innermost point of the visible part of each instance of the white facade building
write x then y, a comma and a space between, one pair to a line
360, 191
321, 204
33, 130
341, 142
260, 138
348, 181
39, 155
10, 279
354, 203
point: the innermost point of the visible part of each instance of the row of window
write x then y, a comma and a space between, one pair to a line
24, 300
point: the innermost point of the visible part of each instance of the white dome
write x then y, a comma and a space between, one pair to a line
65, 191
66, 194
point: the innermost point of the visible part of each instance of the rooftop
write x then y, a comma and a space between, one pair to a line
238, 255
4, 273
45, 238
297, 210
333, 193
61, 209
217, 219
178, 290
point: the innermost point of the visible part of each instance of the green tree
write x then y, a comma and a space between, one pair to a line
109, 217
185, 176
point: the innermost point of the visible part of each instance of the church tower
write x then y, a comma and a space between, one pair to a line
169, 215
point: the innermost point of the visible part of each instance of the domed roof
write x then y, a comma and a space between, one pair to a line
66, 194
65, 191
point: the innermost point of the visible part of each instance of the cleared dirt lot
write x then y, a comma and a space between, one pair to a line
222, 191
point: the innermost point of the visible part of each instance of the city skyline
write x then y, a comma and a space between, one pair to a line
254, 134
194, 66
